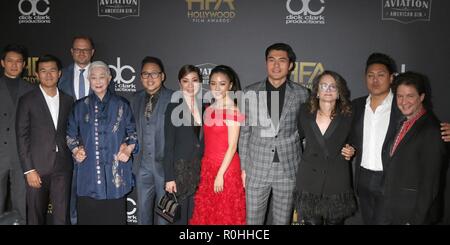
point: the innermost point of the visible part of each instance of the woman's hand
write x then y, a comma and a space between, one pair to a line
171, 186
79, 154
218, 183
124, 153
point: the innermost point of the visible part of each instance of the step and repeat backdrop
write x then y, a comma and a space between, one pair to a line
325, 34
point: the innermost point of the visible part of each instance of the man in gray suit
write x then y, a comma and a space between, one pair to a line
12, 87
269, 143
149, 108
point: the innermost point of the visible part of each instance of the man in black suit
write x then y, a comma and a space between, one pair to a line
376, 117
12, 87
41, 138
415, 170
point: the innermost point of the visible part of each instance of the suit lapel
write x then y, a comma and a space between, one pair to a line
333, 126
45, 110
263, 114
410, 134
288, 100
62, 110
71, 80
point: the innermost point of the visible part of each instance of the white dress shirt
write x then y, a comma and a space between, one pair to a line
53, 105
76, 80
375, 128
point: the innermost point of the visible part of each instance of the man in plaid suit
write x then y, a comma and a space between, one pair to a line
269, 143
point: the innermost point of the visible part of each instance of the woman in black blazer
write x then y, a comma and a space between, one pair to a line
183, 146
324, 189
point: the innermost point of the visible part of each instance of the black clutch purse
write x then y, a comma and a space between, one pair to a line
169, 208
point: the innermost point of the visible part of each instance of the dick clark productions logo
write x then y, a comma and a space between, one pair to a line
34, 12
305, 12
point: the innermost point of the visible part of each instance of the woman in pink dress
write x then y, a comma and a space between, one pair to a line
220, 198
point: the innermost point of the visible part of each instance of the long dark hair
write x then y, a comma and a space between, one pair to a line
343, 104
230, 73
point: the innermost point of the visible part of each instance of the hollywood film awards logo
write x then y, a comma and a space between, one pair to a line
30, 71
34, 12
118, 9
211, 11
305, 12
305, 72
123, 77
406, 11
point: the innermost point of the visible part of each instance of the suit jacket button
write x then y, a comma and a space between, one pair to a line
5, 143
273, 150
7, 129
5, 114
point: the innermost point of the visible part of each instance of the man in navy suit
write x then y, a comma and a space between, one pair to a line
149, 107
76, 74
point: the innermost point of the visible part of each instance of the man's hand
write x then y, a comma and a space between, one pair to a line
348, 152
33, 179
445, 128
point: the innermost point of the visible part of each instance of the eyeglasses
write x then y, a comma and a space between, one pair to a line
79, 50
327, 87
153, 75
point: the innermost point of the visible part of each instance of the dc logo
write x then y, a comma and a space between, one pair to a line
35, 7
119, 72
133, 202
305, 10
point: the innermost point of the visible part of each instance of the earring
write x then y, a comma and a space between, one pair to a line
318, 96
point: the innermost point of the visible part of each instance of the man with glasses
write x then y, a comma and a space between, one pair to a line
149, 107
74, 80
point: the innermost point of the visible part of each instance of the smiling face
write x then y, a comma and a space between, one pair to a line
82, 52
220, 84
13, 64
408, 100
190, 84
48, 74
99, 81
152, 82
278, 66
327, 90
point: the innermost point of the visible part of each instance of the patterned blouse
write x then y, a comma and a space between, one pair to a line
101, 126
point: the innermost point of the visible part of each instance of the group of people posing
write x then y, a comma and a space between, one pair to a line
224, 152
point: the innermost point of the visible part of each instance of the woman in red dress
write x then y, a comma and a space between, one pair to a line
220, 198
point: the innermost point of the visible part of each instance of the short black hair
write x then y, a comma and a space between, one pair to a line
284, 47
16, 48
49, 58
85, 37
153, 60
383, 59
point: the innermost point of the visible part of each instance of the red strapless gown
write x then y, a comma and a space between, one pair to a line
228, 206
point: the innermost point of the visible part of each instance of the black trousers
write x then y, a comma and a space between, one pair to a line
371, 198
55, 189
101, 212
